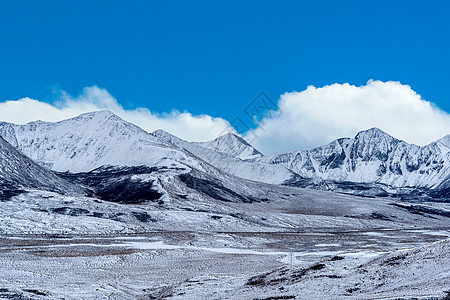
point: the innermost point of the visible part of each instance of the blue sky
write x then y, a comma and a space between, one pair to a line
214, 57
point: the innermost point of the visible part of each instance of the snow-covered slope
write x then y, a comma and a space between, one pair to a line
372, 156
233, 145
18, 171
419, 273
224, 158
90, 141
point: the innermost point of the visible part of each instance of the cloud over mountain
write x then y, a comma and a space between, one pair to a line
182, 124
317, 116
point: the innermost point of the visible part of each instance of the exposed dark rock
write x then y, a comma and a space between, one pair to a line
70, 211
420, 210
277, 297
36, 292
335, 160
396, 169
337, 257
6, 193
380, 216
115, 184
143, 216
282, 276
213, 189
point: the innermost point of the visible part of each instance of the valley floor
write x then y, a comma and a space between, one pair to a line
303, 244
228, 265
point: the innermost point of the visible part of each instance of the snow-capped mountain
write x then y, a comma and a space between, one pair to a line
92, 140
99, 139
373, 156
232, 144
227, 159
18, 171
145, 167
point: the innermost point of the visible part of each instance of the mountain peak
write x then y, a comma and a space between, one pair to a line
232, 136
100, 114
104, 112
373, 130
232, 144
373, 133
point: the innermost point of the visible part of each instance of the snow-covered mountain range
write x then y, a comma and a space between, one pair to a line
117, 161
373, 156
93, 140
102, 139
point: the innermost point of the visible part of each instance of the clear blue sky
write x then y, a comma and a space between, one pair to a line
213, 57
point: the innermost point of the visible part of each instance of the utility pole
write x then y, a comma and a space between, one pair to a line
290, 247
291, 260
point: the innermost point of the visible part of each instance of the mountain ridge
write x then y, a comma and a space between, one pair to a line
372, 156
231, 164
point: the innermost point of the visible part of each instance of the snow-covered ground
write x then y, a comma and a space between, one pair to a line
304, 244
188, 265
283, 209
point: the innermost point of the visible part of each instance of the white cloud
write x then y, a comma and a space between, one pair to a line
181, 124
317, 116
